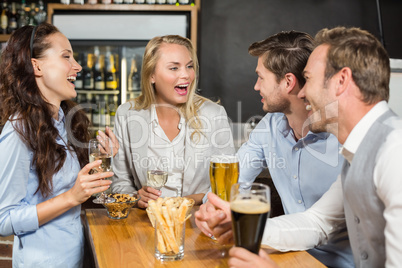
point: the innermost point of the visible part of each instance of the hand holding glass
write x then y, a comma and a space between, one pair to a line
250, 205
157, 175
101, 149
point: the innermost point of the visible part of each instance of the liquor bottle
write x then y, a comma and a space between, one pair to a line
118, 1
184, 2
12, 19
4, 17
111, 77
92, 2
95, 111
150, 2
41, 14
88, 74
171, 2
106, 2
161, 2
112, 109
99, 73
134, 77
79, 83
32, 13
102, 111
88, 109
128, 1
139, 1
22, 15
79, 2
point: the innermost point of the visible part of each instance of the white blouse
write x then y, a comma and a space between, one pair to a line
166, 153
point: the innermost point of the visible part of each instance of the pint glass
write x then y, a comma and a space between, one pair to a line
250, 206
223, 173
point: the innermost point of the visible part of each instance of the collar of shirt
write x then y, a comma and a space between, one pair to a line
286, 130
155, 120
357, 134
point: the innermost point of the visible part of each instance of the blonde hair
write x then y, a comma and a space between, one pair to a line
188, 110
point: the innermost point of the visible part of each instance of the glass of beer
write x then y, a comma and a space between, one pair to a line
223, 173
250, 205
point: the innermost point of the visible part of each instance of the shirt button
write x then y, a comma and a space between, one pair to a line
299, 201
296, 148
357, 220
294, 177
364, 255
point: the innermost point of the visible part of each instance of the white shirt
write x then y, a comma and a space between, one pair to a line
169, 153
303, 231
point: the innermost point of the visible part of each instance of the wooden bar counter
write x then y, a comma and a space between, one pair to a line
130, 243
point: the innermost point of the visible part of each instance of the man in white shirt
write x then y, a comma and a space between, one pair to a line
347, 86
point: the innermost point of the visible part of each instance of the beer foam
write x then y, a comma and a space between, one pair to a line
250, 206
222, 158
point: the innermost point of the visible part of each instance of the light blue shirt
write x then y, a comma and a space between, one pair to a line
57, 243
301, 171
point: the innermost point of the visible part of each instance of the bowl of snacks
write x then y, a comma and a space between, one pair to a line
120, 208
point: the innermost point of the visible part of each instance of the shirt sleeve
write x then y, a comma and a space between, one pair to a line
308, 229
251, 155
17, 215
123, 180
388, 180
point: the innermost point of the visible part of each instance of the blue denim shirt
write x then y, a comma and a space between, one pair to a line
302, 172
57, 243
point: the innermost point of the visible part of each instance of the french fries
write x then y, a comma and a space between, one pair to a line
169, 215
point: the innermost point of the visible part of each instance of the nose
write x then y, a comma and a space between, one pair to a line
257, 85
301, 94
77, 66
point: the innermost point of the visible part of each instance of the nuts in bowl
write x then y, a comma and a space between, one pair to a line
120, 208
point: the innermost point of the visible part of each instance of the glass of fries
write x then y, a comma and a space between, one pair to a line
169, 217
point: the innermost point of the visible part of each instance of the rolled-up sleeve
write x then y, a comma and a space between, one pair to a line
17, 215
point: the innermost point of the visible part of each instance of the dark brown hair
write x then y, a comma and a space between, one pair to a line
22, 102
285, 52
363, 54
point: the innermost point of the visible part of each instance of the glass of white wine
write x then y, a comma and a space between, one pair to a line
101, 149
157, 175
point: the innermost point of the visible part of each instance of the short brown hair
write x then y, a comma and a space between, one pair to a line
363, 54
285, 52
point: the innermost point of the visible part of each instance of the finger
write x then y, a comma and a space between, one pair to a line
89, 167
218, 202
99, 176
216, 219
152, 191
224, 236
203, 226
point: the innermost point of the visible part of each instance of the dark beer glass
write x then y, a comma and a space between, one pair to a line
250, 205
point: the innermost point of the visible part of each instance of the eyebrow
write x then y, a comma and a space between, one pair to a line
178, 63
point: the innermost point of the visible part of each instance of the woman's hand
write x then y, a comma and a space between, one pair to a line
103, 136
147, 193
240, 257
88, 184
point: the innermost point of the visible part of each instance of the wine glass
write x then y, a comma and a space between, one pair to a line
101, 149
157, 174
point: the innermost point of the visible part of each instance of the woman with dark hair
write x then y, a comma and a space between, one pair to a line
44, 171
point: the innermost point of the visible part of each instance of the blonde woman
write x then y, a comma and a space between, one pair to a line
169, 125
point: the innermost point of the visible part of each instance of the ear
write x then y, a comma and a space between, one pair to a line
290, 80
344, 79
36, 64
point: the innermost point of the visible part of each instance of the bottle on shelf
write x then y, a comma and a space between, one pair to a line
106, 2
79, 2
4, 17
32, 15
117, 1
161, 2
111, 76
134, 77
12, 19
128, 1
95, 102
139, 1
41, 14
99, 73
171, 2
92, 2
112, 109
87, 73
22, 15
150, 2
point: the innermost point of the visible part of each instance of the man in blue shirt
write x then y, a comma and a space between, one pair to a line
303, 165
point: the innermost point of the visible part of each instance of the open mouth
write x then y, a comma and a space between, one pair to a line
181, 89
71, 79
